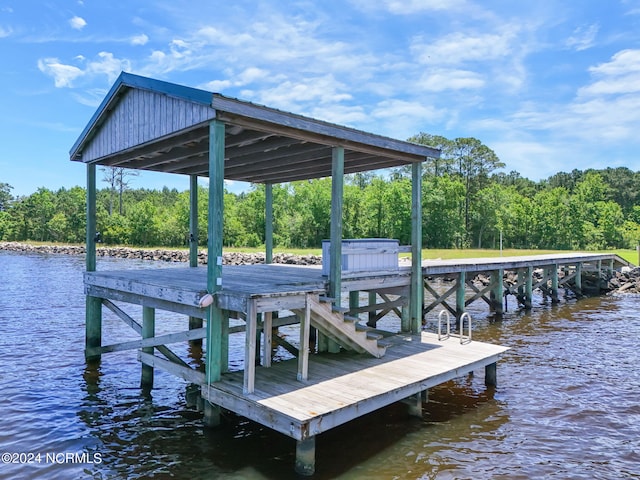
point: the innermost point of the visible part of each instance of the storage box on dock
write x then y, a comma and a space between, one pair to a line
364, 255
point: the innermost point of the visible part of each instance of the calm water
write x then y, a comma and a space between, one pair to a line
567, 405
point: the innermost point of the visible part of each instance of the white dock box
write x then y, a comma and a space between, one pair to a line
364, 255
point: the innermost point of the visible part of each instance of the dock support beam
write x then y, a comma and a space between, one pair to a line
148, 331
528, 288
194, 322
554, 284
335, 249
460, 306
415, 405
306, 456
93, 306
268, 223
578, 279
215, 316
371, 321
491, 375
417, 289
497, 293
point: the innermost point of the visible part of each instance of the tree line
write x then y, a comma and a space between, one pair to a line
467, 202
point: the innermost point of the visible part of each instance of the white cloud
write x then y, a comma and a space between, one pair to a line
293, 95
216, 85
63, 75
618, 77
107, 64
622, 62
141, 39
459, 47
440, 80
583, 37
77, 23
410, 7
5, 32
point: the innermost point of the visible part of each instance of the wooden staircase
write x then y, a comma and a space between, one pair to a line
332, 322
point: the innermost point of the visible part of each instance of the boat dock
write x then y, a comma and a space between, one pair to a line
343, 364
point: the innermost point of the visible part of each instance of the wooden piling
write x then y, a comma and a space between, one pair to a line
306, 456
528, 288
578, 279
371, 322
148, 331
415, 405
497, 292
460, 291
417, 289
554, 284
93, 307
491, 375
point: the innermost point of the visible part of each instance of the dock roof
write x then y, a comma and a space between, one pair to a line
149, 124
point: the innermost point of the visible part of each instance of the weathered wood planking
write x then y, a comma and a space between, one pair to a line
442, 267
143, 116
341, 387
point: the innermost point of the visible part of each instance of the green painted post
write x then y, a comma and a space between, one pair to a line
268, 223
462, 282
554, 284
521, 282
93, 305
578, 280
497, 278
148, 331
90, 258
528, 289
371, 321
194, 322
354, 299
224, 343
193, 221
215, 316
417, 289
335, 249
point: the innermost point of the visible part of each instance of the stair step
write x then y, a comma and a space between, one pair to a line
371, 335
374, 336
336, 309
325, 299
351, 319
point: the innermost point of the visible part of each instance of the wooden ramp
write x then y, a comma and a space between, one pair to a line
345, 386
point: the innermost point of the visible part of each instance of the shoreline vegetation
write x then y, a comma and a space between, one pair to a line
625, 281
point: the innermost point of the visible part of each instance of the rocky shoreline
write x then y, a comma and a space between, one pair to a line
162, 255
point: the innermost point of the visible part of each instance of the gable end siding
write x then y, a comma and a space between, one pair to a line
142, 116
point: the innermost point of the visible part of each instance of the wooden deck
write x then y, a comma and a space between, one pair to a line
344, 386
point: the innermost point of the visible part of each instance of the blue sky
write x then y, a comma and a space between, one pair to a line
549, 85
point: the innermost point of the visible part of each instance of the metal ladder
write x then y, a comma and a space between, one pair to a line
464, 339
